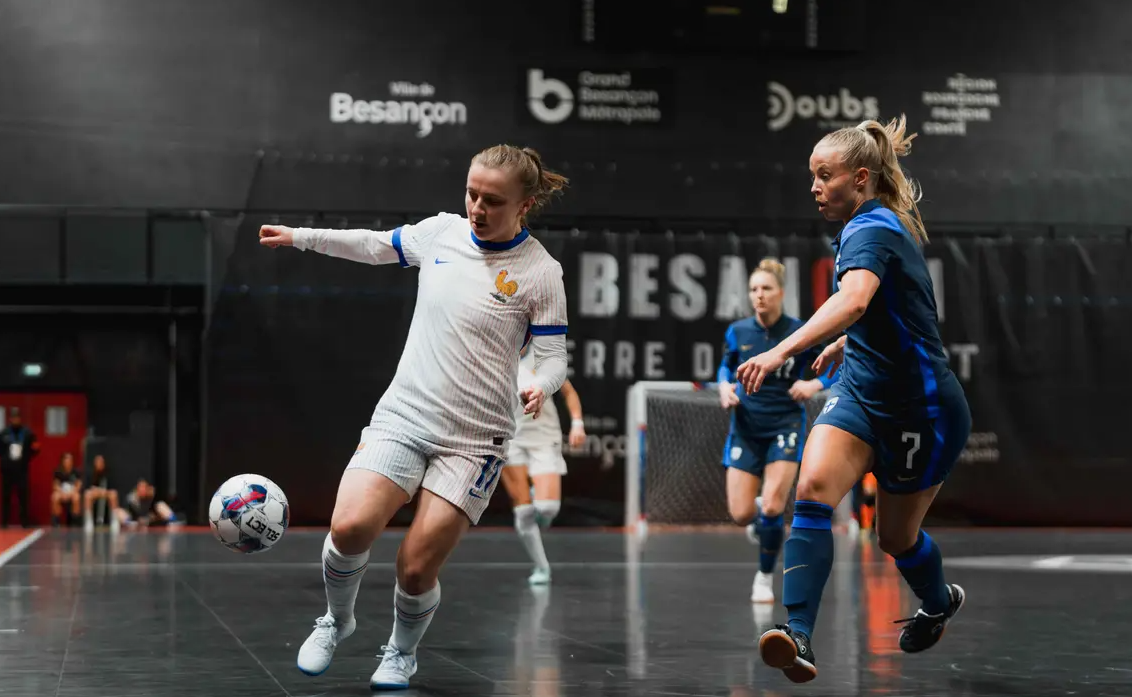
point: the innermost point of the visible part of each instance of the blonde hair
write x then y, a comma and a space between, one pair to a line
536, 180
774, 267
876, 148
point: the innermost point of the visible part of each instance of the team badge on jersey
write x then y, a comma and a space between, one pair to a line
504, 288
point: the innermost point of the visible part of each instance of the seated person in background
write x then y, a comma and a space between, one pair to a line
66, 490
99, 491
143, 509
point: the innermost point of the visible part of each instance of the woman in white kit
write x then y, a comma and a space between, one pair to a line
535, 455
440, 429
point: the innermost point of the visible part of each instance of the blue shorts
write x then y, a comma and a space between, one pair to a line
912, 453
750, 454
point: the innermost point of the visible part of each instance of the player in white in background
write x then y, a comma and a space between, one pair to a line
536, 455
485, 287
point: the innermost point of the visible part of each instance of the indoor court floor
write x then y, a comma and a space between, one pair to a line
156, 613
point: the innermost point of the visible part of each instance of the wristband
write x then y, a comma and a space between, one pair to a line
578, 423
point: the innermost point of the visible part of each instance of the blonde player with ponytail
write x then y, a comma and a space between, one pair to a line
768, 429
441, 429
897, 411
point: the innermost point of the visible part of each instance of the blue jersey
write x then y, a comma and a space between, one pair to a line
894, 359
771, 410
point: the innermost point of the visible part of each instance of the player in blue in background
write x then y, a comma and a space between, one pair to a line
768, 429
897, 410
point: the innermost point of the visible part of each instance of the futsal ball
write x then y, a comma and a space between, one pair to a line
249, 513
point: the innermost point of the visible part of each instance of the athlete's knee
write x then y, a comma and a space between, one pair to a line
415, 576
896, 541
814, 489
526, 517
351, 534
547, 510
741, 512
774, 506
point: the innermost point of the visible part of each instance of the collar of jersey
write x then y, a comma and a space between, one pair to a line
867, 207
501, 246
771, 328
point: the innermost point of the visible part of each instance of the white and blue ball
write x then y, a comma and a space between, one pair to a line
249, 513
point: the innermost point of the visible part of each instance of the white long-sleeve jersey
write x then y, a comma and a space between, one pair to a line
477, 304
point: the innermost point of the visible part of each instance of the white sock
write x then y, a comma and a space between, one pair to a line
411, 616
526, 523
547, 511
342, 574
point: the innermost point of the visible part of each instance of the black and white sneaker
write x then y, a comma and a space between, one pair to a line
790, 652
923, 631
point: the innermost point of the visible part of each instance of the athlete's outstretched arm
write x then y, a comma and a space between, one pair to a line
367, 246
406, 245
858, 286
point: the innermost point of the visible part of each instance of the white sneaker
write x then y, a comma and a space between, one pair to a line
395, 670
762, 591
318, 649
539, 577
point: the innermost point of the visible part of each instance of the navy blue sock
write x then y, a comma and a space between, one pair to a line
770, 541
922, 568
806, 564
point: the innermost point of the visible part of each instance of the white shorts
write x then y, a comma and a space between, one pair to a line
465, 480
539, 459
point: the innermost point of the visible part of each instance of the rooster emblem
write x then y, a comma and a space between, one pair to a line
504, 288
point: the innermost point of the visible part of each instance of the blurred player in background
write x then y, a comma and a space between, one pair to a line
535, 455
897, 410
768, 429
99, 495
66, 491
441, 429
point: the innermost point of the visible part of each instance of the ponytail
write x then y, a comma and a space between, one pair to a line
896, 191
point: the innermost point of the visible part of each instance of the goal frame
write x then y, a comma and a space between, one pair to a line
636, 430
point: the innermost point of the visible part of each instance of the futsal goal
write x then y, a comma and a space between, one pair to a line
675, 433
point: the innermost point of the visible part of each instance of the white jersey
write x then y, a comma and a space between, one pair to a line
546, 429
478, 303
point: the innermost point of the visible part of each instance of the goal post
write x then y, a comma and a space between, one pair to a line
675, 434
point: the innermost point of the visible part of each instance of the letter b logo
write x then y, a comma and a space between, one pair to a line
538, 88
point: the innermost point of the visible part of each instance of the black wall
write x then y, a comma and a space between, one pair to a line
220, 105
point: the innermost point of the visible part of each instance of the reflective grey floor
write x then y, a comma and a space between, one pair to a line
176, 614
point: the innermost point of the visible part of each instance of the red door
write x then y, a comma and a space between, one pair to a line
58, 420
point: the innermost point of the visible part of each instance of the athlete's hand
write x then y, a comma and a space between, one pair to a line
754, 371
830, 358
727, 396
532, 397
804, 389
276, 236
577, 436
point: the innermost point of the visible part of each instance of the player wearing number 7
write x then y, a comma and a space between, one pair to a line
897, 410
441, 429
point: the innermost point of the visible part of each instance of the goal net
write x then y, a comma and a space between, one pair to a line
675, 433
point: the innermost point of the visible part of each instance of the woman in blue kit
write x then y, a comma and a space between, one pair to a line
768, 429
897, 410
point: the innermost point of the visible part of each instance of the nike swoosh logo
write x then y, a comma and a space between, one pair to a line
794, 567
442, 261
